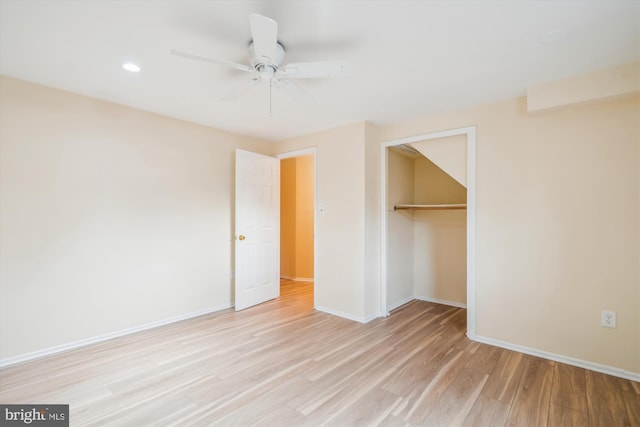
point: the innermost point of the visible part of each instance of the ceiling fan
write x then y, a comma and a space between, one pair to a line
266, 55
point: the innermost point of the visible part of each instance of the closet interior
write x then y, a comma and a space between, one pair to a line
427, 223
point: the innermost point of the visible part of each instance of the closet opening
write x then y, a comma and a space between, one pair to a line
428, 221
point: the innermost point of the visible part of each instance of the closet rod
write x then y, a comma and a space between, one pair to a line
431, 207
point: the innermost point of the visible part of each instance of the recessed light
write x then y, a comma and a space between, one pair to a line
130, 66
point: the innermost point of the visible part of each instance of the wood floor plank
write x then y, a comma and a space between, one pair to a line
485, 359
407, 351
562, 416
605, 401
369, 410
115, 406
236, 396
487, 412
530, 406
355, 349
413, 376
282, 363
345, 399
429, 398
150, 412
628, 385
632, 405
458, 399
505, 377
282, 416
263, 405
568, 405
326, 387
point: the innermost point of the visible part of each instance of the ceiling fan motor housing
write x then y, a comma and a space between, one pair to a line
264, 65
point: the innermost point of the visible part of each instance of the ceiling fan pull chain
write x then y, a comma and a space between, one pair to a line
270, 89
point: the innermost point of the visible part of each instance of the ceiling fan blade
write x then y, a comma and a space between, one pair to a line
293, 91
320, 69
237, 92
189, 55
265, 37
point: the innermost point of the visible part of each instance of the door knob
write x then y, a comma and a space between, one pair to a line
241, 237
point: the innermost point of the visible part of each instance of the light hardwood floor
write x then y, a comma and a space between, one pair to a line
283, 364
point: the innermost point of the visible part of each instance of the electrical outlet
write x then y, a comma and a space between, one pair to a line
608, 319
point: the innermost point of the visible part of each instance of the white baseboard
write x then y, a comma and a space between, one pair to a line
370, 317
359, 319
442, 301
400, 303
604, 369
8, 361
297, 279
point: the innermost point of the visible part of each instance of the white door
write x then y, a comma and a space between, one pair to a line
257, 237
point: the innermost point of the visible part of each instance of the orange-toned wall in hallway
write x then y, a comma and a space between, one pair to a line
296, 217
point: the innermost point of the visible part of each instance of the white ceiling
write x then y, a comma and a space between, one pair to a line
410, 58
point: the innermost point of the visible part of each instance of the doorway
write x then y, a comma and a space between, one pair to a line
469, 135
297, 219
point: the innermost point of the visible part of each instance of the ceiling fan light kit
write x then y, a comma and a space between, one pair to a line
266, 66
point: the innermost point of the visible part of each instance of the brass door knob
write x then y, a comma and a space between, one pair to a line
241, 237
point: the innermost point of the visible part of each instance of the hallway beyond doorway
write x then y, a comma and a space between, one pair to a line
296, 293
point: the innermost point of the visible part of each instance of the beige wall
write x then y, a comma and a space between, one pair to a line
304, 217
440, 256
594, 86
449, 153
111, 217
296, 217
288, 217
372, 252
434, 186
557, 225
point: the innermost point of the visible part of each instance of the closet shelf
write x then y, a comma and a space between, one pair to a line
431, 207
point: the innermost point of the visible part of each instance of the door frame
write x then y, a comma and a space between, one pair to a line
470, 133
299, 153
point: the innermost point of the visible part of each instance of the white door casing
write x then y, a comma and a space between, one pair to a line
257, 225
